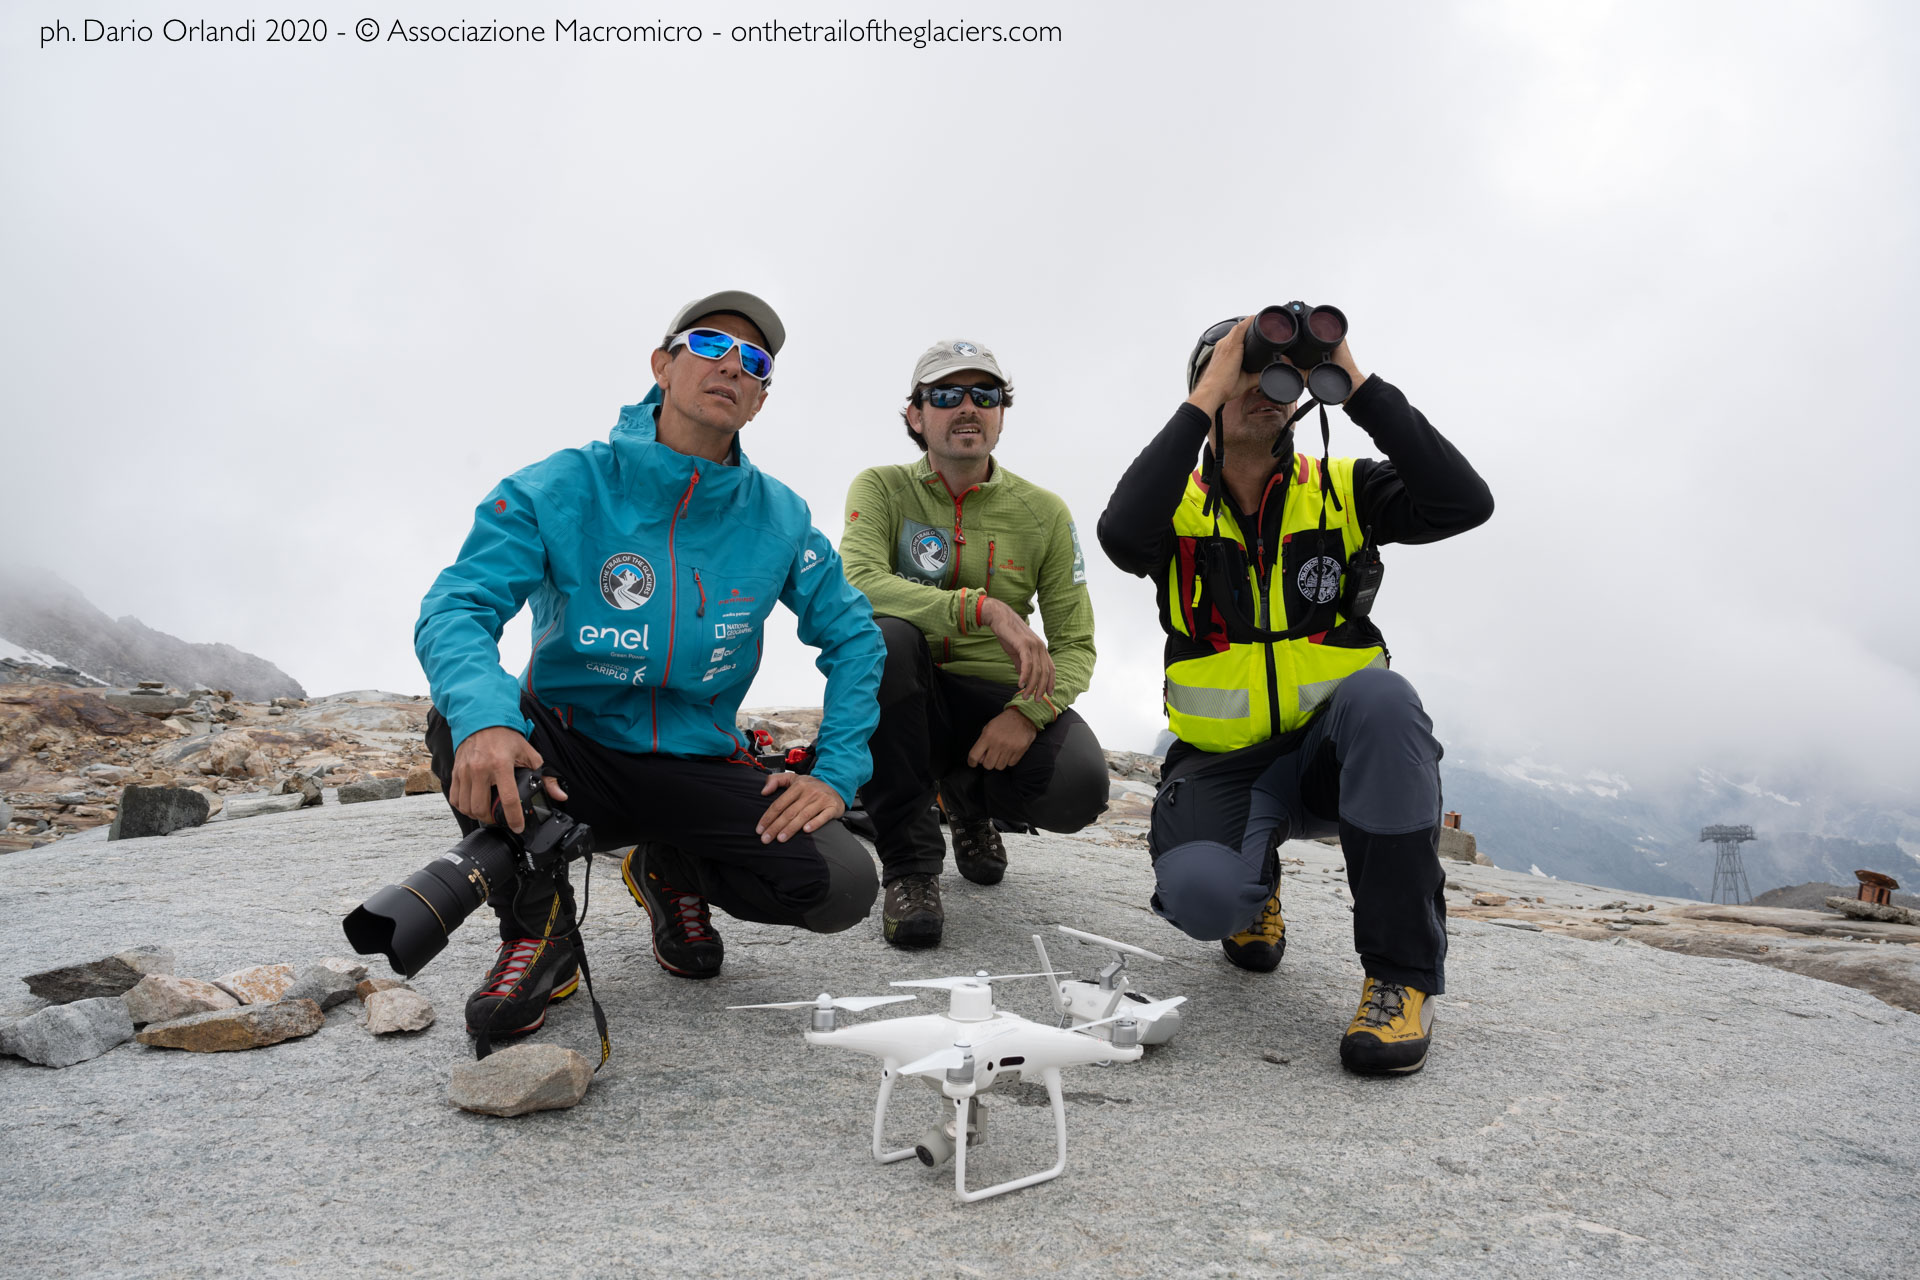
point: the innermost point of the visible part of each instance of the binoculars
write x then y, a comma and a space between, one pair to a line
1306, 336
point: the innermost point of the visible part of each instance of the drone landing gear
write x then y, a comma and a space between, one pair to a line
946, 1145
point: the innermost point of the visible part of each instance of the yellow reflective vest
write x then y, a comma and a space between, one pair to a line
1226, 687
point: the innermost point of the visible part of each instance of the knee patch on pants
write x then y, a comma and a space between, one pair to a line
1208, 890
1077, 792
852, 883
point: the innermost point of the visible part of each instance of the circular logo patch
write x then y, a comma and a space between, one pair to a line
965, 349
1319, 579
929, 551
626, 581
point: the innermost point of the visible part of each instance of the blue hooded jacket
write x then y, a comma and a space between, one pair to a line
651, 575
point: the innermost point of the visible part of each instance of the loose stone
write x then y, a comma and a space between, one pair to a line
324, 986
262, 984
225, 1030
163, 997
523, 1078
398, 1009
68, 1033
107, 976
372, 789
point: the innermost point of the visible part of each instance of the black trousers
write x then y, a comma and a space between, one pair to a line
1367, 768
929, 720
698, 817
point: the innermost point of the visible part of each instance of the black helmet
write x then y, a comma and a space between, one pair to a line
1203, 350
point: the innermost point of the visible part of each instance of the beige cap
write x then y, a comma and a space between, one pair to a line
951, 355
740, 303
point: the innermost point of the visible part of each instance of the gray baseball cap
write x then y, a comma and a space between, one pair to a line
740, 303
951, 355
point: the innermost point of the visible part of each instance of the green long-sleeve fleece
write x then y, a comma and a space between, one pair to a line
922, 553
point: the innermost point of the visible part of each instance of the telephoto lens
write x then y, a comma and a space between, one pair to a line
410, 922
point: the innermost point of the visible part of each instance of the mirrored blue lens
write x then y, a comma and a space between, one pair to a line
711, 344
947, 397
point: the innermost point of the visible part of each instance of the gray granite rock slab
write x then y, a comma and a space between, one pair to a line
1591, 1109
108, 976
252, 806
156, 811
322, 984
253, 1026
65, 1034
372, 789
162, 997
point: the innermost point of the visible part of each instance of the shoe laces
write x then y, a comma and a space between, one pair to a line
975, 839
919, 891
1269, 927
688, 914
1382, 1004
511, 966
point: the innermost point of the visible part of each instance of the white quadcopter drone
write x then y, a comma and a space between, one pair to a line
1098, 1001
964, 1052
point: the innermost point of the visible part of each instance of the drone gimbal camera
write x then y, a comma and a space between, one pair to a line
964, 1053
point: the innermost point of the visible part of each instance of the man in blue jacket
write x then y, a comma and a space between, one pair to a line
652, 562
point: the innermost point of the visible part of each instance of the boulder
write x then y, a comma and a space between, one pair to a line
1883, 911
262, 984
523, 1078
162, 997
252, 806
398, 1009
368, 986
373, 789
68, 1033
155, 811
1489, 899
151, 702
1457, 845
224, 1030
322, 984
107, 976
306, 788
422, 782
235, 755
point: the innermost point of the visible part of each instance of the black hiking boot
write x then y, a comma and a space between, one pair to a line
684, 943
527, 975
978, 853
913, 916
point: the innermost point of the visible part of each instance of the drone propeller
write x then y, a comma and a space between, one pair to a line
1109, 943
1139, 1013
852, 1004
948, 984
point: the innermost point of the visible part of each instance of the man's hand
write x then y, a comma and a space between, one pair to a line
1003, 742
1223, 379
485, 763
805, 803
1028, 651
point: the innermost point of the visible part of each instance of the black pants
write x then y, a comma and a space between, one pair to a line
1367, 768
929, 720
698, 816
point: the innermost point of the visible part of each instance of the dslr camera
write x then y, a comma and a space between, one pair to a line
410, 922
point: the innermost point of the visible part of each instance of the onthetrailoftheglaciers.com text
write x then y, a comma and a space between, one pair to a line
920, 35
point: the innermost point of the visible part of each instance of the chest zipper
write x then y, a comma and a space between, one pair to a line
673, 602
701, 611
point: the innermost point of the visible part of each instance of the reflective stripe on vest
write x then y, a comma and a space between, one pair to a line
1219, 699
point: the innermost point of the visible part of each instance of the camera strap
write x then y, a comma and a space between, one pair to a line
483, 1039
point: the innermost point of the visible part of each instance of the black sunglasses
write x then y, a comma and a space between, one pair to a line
947, 396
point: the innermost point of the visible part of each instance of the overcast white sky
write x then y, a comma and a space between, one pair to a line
276, 317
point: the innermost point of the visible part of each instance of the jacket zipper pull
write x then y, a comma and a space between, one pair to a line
700, 612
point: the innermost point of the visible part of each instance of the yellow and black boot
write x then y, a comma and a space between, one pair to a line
1391, 1032
1260, 945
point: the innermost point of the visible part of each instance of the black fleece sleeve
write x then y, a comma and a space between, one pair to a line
1136, 529
1425, 490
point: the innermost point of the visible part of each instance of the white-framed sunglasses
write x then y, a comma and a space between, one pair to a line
712, 344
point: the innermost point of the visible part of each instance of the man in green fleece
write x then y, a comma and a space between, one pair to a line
952, 552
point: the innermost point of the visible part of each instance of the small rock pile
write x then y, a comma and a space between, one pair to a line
135, 995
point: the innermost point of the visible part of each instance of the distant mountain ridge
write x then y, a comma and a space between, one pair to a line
1604, 829
42, 612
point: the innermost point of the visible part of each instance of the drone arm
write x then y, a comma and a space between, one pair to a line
889, 1073
1052, 1077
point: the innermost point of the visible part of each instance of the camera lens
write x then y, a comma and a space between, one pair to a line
410, 922
1327, 325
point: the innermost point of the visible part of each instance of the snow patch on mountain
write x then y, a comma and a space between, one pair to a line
1712, 782
1548, 777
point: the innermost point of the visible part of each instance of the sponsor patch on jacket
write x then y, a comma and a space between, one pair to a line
728, 630
626, 581
923, 552
1079, 556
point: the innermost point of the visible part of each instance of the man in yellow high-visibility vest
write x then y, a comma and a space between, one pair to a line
1288, 723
